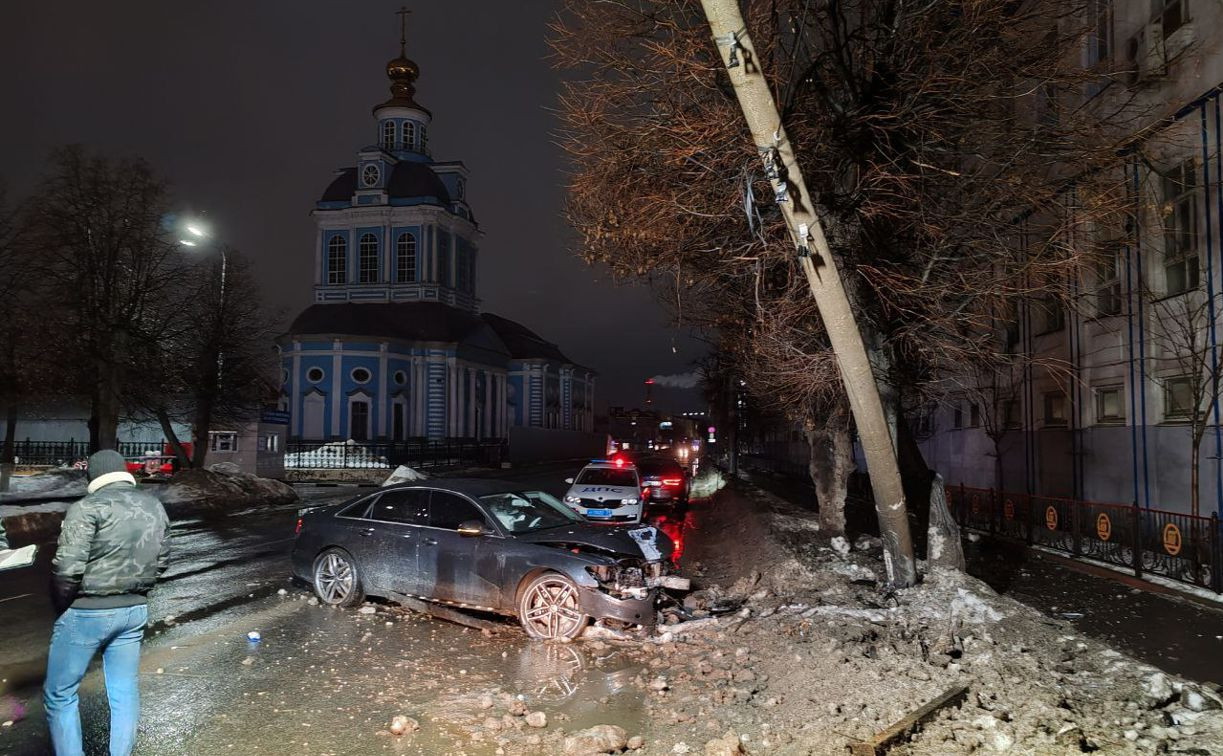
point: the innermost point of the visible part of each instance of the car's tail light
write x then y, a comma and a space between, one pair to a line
298, 529
672, 481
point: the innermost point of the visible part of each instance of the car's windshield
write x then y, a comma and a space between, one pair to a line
524, 511
607, 476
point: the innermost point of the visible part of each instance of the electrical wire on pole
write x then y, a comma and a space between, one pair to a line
818, 265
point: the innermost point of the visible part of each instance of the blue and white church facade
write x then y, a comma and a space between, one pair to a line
394, 346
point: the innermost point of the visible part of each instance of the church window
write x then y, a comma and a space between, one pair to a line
388, 135
443, 258
360, 375
400, 377
370, 174
464, 277
314, 375
368, 251
409, 135
359, 421
460, 188
405, 258
337, 260
424, 139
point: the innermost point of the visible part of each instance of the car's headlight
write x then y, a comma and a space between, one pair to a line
572, 500
629, 501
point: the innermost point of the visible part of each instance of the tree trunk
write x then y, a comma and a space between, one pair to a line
831, 462
945, 547
183, 460
1195, 455
200, 428
732, 427
10, 445
824, 280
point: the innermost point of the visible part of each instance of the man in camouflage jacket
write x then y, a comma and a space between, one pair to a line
113, 546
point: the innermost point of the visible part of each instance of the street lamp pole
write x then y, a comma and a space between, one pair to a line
197, 231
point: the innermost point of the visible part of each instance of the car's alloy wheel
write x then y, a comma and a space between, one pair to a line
336, 581
550, 608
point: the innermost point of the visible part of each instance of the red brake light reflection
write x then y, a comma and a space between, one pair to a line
298, 529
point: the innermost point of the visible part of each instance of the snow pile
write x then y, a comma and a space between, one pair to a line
337, 454
403, 474
192, 490
61, 483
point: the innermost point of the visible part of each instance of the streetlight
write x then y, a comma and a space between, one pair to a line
200, 233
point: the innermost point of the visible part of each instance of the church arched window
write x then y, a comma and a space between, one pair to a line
424, 139
443, 258
409, 135
337, 260
405, 258
367, 260
388, 135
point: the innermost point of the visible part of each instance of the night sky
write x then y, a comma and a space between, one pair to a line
249, 108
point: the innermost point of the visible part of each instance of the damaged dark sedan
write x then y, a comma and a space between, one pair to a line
484, 545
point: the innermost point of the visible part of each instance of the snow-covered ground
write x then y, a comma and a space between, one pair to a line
343, 454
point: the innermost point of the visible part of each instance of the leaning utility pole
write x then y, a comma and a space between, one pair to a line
815, 258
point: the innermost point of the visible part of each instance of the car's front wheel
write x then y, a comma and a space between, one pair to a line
336, 579
549, 608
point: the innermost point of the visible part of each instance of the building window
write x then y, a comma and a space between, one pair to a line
222, 441
1178, 398
1172, 14
460, 188
1055, 408
1108, 286
405, 258
1100, 41
314, 375
370, 174
464, 273
270, 443
424, 138
1110, 405
1010, 414
1047, 312
974, 415
367, 259
1180, 228
388, 135
443, 258
360, 375
957, 417
409, 135
337, 260
358, 422
400, 377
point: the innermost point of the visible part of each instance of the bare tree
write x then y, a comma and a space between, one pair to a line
1191, 371
104, 258
938, 140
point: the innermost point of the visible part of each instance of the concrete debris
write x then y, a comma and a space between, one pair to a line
597, 739
840, 545
401, 725
537, 719
727, 745
367, 609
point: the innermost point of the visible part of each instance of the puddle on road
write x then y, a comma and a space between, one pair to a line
328, 681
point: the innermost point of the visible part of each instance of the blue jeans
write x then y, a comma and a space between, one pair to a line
78, 635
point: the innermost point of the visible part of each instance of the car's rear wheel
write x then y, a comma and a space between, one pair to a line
549, 608
336, 579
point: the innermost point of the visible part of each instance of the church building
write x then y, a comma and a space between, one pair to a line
394, 346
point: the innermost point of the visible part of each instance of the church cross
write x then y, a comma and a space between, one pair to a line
403, 13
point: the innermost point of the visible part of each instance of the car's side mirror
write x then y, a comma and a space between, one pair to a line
569, 481
472, 528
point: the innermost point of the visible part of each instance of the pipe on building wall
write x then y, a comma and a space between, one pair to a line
1218, 219
1142, 339
1212, 329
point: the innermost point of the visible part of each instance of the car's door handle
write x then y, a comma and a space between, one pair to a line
367, 531
431, 541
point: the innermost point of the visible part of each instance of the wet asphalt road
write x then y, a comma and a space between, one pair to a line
223, 581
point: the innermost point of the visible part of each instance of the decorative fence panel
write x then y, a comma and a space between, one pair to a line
1173, 545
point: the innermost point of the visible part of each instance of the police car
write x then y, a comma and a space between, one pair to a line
606, 491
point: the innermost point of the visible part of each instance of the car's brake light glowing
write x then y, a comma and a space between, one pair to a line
619, 461
672, 481
298, 529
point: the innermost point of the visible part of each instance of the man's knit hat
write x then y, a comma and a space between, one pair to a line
105, 462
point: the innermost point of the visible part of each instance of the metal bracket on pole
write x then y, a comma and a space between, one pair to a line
803, 235
732, 41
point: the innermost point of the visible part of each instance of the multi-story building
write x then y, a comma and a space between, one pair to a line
1137, 354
